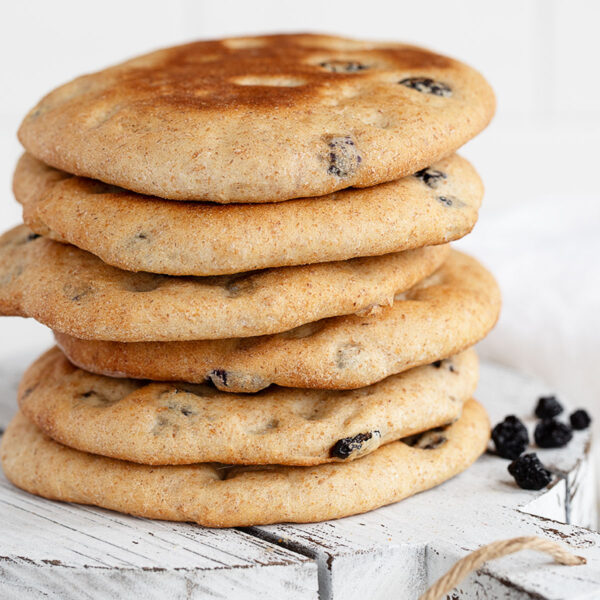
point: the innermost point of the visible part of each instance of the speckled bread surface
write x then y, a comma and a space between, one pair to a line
218, 496
176, 423
140, 233
74, 292
449, 311
261, 119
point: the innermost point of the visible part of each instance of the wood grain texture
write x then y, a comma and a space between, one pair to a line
55, 550
59, 550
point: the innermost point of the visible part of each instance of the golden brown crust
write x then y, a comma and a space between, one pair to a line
261, 119
73, 291
142, 233
240, 496
450, 311
158, 423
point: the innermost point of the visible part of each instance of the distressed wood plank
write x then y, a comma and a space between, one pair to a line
59, 550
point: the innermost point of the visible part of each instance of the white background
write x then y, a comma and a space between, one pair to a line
538, 229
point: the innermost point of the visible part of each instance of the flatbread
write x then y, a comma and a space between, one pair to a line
143, 233
217, 496
176, 423
451, 310
73, 291
261, 119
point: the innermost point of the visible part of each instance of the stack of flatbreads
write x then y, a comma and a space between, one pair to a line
242, 249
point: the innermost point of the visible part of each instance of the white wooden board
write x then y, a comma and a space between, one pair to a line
54, 550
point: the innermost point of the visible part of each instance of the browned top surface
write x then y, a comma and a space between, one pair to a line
259, 119
204, 75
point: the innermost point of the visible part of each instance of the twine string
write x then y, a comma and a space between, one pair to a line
498, 549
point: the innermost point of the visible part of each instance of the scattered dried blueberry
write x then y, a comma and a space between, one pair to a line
510, 437
447, 362
430, 177
580, 419
33, 236
343, 156
548, 407
218, 377
427, 85
529, 472
550, 433
343, 66
346, 446
446, 200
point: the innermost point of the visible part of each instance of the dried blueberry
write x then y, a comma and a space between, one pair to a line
343, 66
548, 407
33, 236
510, 437
580, 419
529, 472
346, 446
430, 177
427, 85
343, 156
550, 433
446, 361
446, 200
220, 375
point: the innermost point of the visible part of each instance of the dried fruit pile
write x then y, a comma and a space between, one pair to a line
242, 249
511, 438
